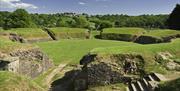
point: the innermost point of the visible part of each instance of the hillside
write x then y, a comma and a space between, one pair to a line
14, 82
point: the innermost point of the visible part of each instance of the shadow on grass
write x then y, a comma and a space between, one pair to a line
65, 83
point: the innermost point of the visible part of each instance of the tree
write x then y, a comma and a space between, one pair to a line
19, 19
81, 22
66, 22
105, 24
3, 16
174, 18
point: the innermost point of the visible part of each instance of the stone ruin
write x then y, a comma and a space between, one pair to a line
16, 38
107, 69
30, 62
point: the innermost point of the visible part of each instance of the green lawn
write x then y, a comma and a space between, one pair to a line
73, 50
134, 31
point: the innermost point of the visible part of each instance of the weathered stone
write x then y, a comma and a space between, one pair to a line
30, 62
172, 65
163, 56
105, 69
165, 59
15, 37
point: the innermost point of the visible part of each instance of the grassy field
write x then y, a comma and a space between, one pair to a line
134, 31
74, 50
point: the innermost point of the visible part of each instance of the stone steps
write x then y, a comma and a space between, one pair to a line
140, 86
134, 88
147, 83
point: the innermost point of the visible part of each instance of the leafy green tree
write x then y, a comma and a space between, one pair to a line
174, 18
66, 22
19, 19
81, 22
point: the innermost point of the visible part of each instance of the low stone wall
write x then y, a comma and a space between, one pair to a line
107, 69
31, 62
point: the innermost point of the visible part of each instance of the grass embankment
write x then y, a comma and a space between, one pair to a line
133, 31
140, 31
7, 46
147, 51
28, 33
140, 35
74, 50
14, 82
67, 33
162, 33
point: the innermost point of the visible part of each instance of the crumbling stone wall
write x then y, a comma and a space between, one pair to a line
30, 62
106, 69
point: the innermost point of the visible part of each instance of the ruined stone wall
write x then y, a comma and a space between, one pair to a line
107, 69
31, 62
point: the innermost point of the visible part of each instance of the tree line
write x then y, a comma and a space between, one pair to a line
20, 18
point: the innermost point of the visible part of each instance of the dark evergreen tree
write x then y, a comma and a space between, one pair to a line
174, 18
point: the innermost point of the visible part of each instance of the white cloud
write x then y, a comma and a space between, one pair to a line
16, 4
82, 3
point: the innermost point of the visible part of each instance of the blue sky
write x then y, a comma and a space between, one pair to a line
130, 7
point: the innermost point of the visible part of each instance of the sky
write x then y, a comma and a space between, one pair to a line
129, 7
